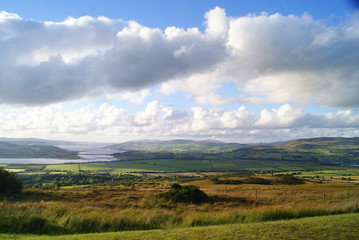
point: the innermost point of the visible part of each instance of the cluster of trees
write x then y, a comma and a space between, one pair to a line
9, 183
59, 180
281, 179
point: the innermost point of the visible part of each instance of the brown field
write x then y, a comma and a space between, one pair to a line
118, 208
228, 196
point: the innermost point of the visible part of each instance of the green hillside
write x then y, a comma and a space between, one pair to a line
302, 154
9, 150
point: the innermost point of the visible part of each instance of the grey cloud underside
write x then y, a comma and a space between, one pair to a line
271, 58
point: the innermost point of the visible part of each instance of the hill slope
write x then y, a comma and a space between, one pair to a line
9, 150
337, 151
35, 141
318, 151
324, 142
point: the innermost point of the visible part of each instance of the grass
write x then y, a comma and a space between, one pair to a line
32, 167
331, 173
327, 227
117, 208
75, 186
63, 167
119, 167
342, 175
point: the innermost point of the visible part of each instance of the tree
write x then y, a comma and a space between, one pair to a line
9, 183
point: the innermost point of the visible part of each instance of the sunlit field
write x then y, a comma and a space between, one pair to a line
140, 207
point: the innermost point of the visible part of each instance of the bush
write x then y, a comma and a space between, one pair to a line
9, 183
188, 194
257, 180
289, 180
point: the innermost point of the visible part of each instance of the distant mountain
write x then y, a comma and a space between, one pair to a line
270, 143
10, 150
320, 151
177, 145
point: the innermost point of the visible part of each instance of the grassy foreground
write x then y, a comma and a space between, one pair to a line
344, 226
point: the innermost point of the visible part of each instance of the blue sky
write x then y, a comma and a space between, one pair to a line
236, 71
161, 13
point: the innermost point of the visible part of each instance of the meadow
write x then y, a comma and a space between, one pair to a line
98, 209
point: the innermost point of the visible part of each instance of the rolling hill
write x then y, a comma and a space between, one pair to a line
10, 150
336, 151
35, 141
318, 151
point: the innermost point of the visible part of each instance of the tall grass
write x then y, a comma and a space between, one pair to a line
268, 214
58, 218
120, 209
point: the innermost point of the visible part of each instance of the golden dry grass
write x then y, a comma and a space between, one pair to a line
108, 207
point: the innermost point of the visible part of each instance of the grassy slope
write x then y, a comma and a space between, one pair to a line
328, 227
332, 149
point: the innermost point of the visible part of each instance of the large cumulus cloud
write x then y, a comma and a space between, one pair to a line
271, 58
47, 62
279, 59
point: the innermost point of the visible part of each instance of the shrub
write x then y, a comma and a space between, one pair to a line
188, 194
289, 180
257, 180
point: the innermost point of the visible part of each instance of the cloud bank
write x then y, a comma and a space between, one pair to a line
270, 58
110, 123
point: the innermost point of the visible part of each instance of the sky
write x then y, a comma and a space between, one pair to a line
235, 71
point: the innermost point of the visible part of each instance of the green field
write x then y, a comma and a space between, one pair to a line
63, 167
117, 167
177, 165
331, 173
327, 227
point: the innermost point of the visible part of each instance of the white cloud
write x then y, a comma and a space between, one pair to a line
136, 97
271, 58
290, 58
285, 116
150, 115
217, 24
47, 62
110, 123
279, 59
